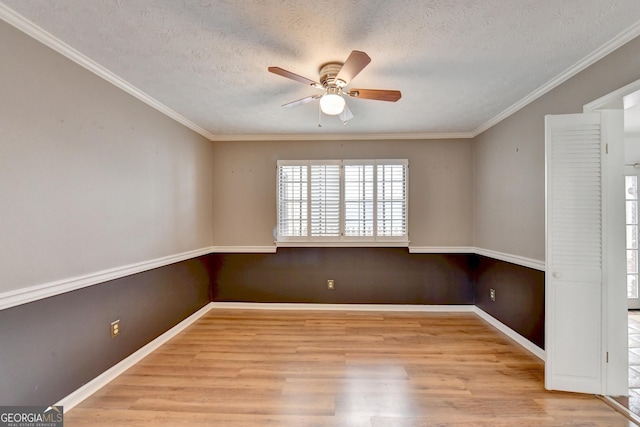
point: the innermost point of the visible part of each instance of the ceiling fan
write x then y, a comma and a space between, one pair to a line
334, 77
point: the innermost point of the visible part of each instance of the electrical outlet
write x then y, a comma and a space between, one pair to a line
330, 284
492, 294
115, 328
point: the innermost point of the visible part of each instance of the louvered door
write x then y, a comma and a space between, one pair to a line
574, 253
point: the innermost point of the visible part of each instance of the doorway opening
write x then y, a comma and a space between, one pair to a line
621, 327
631, 106
627, 101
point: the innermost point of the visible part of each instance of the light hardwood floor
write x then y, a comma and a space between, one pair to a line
293, 368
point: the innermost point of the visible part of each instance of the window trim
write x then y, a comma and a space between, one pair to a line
342, 240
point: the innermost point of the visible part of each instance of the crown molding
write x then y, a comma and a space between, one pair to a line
343, 136
13, 18
617, 42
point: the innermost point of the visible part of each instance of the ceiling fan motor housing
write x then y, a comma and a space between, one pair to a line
334, 77
328, 73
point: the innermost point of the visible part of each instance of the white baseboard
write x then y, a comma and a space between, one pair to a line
103, 379
342, 307
528, 345
442, 250
243, 249
620, 408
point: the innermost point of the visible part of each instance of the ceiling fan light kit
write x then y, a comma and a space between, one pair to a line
334, 76
332, 103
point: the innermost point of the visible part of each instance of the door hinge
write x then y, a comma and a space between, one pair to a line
606, 148
607, 357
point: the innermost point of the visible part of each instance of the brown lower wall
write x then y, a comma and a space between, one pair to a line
519, 302
51, 347
361, 275
385, 276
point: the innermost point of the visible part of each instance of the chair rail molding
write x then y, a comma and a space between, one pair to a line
33, 293
489, 253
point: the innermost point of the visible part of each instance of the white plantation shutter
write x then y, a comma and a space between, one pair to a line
343, 201
574, 253
325, 200
358, 200
292, 200
392, 199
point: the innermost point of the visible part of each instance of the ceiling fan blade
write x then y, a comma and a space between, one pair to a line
346, 114
293, 76
378, 94
301, 101
353, 65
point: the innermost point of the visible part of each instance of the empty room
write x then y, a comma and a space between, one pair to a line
285, 213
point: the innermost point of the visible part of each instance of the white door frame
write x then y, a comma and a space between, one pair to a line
614, 309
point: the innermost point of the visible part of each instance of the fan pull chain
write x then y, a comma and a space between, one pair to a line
319, 116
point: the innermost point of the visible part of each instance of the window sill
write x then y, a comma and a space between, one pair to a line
344, 244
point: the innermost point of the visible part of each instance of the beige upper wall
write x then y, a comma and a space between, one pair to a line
486, 192
90, 177
440, 175
509, 174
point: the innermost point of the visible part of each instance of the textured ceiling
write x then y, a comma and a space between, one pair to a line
460, 64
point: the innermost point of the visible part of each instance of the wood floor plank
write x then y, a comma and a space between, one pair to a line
246, 368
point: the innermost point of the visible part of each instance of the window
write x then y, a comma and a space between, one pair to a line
342, 201
631, 184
